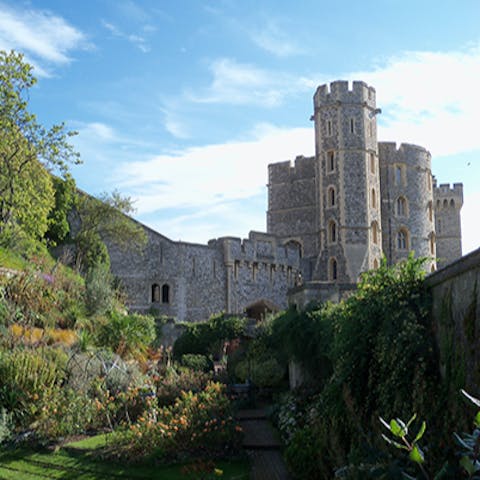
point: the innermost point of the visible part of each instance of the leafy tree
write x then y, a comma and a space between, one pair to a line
104, 218
65, 199
28, 151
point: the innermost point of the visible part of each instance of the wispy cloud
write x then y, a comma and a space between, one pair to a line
243, 84
274, 39
139, 41
44, 37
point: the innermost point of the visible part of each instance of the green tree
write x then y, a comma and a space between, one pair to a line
28, 151
104, 218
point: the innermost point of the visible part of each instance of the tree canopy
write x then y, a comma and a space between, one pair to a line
29, 152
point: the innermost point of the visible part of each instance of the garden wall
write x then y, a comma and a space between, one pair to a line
456, 322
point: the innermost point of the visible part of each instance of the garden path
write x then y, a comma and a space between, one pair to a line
262, 446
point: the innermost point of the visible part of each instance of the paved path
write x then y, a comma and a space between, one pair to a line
262, 446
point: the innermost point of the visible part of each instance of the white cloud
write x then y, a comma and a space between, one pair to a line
429, 98
212, 175
242, 84
137, 40
41, 35
273, 39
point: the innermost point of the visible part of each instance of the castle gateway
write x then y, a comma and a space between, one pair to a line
330, 217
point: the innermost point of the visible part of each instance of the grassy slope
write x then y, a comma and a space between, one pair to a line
27, 465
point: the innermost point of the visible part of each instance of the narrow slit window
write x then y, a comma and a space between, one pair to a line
352, 125
329, 128
165, 294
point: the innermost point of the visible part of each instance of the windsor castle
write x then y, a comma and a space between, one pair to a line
330, 217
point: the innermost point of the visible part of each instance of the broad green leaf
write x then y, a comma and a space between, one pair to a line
416, 455
396, 429
467, 464
420, 432
477, 420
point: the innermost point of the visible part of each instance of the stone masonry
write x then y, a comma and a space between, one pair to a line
330, 217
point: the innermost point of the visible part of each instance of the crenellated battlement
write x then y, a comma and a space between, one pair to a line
301, 168
446, 192
408, 153
258, 247
340, 91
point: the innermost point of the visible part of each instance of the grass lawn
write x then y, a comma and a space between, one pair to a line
78, 465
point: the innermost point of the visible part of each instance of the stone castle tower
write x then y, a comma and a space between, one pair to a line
359, 199
330, 217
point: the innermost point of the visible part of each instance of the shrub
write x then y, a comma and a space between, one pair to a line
196, 424
99, 293
196, 362
126, 335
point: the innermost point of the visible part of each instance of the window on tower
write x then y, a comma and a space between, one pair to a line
375, 232
398, 175
330, 161
401, 206
374, 198
402, 240
332, 232
333, 273
352, 125
331, 197
372, 163
329, 128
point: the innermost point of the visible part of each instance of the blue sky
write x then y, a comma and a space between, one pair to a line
182, 104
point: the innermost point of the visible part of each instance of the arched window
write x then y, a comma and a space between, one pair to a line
452, 203
155, 293
375, 264
445, 203
165, 294
333, 273
438, 203
375, 232
374, 198
401, 206
332, 232
430, 211
402, 240
330, 161
331, 197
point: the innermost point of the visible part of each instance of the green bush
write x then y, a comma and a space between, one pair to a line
99, 293
127, 335
196, 362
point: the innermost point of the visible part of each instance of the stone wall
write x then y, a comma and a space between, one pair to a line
456, 320
190, 282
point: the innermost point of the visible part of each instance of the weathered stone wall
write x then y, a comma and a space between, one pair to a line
194, 275
407, 202
227, 275
447, 204
456, 316
292, 195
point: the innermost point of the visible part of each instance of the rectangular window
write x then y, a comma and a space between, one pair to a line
398, 175
372, 162
329, 128
236, 268
254, 270
352, 125
330, 161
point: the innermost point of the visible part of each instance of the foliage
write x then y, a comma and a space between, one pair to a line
196, 362
197, 422
207, 338
65, 198
99, 292
175, 381
370, 354
469, 444
29, 380
6, 425
126, 335
26, 150
105, 218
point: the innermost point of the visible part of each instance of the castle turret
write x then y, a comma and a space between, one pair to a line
448, 202
349, 181
407, 202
